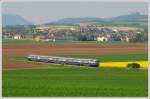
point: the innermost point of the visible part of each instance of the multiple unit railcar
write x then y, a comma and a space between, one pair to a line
65, 60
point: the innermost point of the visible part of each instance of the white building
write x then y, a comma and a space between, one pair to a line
125, 39
103, 38
115, 30
17, 36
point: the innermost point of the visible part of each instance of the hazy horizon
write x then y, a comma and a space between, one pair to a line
43, 12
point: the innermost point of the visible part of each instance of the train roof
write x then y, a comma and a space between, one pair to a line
65, 58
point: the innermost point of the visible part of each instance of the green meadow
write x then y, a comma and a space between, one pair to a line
75, 81
51, 80
58, 80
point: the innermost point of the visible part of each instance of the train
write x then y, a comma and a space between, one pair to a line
64, 60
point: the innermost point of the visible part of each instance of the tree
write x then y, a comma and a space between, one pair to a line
133, 65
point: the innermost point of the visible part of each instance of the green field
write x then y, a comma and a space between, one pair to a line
137, 24
102, 58
58, 80
109, 58
31, 41
75, 81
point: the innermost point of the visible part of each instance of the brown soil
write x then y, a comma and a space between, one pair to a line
90, 49
15, 65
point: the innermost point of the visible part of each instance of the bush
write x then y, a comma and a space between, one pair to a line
133, 65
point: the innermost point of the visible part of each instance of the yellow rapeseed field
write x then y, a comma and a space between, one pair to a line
143, 64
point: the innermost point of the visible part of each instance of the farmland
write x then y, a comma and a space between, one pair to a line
58, 42
23, 78
73, 48
75, 81
143, 64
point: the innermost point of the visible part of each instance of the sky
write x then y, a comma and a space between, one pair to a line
44, 12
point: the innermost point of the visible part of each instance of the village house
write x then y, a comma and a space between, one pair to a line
125, 39
75, 28
17, 36
49, 37
115, 30
103, 37
7, 35
39, 37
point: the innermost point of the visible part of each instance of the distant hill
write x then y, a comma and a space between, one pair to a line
8, 19
80, 20
129, 17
